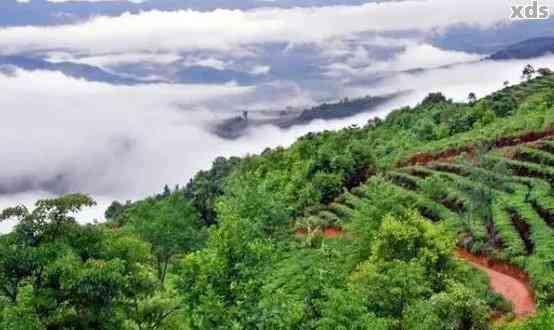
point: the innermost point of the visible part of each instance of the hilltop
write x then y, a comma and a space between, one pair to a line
350, 229
237, 126
526, 49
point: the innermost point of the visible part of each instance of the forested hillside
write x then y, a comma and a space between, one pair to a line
349, 229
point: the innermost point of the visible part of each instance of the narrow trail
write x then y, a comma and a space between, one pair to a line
507, 280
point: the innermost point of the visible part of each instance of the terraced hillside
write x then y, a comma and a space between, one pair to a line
531, 122
497, 198
378, 211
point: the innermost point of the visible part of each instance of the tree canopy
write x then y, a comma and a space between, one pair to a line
348, 229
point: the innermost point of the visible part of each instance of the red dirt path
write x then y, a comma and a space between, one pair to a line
507, 280
501, 142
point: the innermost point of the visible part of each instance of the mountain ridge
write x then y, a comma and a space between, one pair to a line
526, 49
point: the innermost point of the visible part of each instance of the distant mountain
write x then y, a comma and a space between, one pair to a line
474, 39
527, 49
339, 110
186, 75
238, 126
76, 70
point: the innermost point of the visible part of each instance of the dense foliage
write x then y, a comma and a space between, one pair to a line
243, 245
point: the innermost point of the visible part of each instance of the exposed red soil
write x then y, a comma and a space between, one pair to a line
300, 232
501, 142
428, 157
507, 280
332, 232
328, 232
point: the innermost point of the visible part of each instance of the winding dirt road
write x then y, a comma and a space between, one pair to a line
506, 280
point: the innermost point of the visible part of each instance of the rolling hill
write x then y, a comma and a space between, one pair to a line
75, 70
360, 228
526, 49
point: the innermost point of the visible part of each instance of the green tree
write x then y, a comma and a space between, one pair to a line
116, 211
455, 309
410, 237
221, 284
347, 309
544, 71
390, 286
248, 199
66, 275
426, 129
207, 186
503, 104
49, 219
434, 98
472, 98
171, 225
407, 264
328, 185
381, 199
20, 314
528, 72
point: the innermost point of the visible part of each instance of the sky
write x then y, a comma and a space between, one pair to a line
62, 134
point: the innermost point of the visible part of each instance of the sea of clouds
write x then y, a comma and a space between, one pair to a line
61, 134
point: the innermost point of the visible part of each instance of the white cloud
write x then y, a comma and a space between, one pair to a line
112, 59
211, 62
120, 142
260, 69
101, 138
123, 142
116, 142
425, 56
157, 31
456, 81
359, 63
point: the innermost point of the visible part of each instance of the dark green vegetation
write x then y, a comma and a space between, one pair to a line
242, 245
237, 126
342, 109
